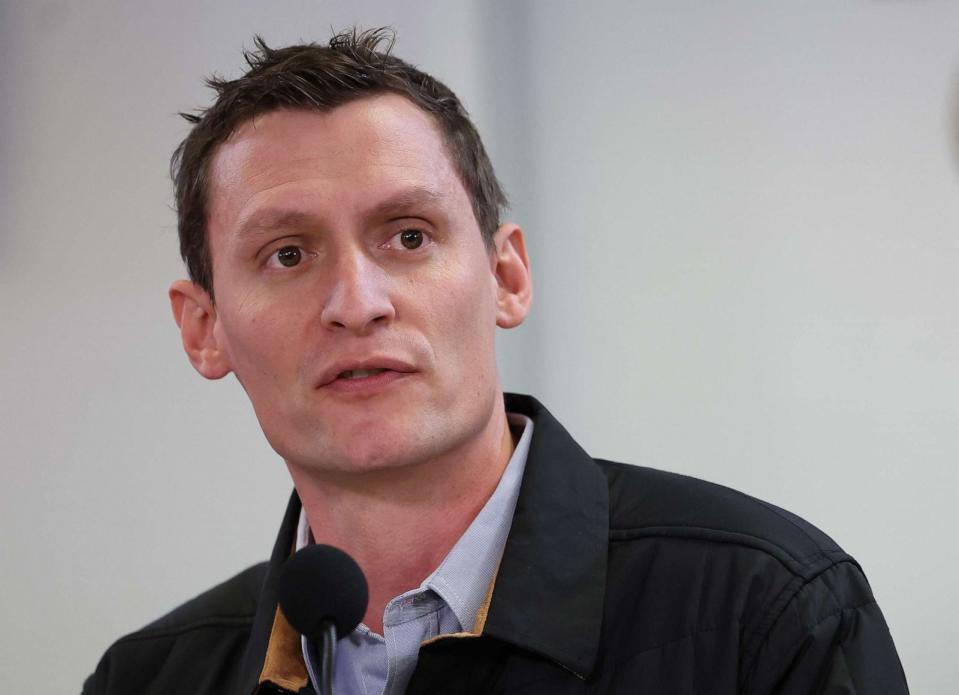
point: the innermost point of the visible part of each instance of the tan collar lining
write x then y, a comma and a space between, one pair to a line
284, 656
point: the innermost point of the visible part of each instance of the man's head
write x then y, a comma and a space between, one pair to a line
315, 77
357, 291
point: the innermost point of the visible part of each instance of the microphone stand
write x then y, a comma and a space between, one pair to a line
328, 658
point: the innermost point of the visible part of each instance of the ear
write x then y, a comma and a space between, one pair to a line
195, 314
514, 284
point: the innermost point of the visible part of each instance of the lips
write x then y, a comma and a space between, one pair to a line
352, 369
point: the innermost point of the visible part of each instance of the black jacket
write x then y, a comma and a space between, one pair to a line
614, 579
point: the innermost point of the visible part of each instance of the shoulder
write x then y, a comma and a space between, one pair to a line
231, 601
647, 502
704, 560
199, 643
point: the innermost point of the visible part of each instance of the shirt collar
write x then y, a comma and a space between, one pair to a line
464, 576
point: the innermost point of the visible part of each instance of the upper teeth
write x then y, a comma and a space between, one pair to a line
359, 373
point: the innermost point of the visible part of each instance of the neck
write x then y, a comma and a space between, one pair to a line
400, 523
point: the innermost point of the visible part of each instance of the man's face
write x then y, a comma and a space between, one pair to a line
356, 301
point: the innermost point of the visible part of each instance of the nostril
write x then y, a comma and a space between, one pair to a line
357, 306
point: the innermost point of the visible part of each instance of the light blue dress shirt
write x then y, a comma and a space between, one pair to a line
447, 601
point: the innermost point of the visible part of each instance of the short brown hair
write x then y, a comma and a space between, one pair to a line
313, 76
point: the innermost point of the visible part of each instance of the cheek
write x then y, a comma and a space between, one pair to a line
465, 313
260, 339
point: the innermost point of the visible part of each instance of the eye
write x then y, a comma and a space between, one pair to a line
411, 238
289, 256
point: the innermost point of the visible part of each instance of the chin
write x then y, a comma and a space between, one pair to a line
371, 442
357, 454
366, 458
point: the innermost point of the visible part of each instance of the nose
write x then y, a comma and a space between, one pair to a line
358, 299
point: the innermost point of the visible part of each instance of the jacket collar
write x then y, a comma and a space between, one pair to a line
549, 591
270, 635
550, 587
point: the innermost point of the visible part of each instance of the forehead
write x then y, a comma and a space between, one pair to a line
350, 154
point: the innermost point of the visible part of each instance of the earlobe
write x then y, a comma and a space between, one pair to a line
195, 315
514, 292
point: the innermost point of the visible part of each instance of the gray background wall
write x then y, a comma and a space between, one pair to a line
744, 222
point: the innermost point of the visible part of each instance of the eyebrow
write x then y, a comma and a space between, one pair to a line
405, 201
399, 204
275, 218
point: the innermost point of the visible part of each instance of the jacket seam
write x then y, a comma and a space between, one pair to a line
778, 512
840, 608
808, 628
782, 514
205, 623
746, 540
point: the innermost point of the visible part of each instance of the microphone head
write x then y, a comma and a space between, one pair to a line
321, 583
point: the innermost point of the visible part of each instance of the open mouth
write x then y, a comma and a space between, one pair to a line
365, 373
359, 373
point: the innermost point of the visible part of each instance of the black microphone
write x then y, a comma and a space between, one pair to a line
323, 594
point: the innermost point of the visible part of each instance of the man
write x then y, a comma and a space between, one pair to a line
340, 222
